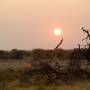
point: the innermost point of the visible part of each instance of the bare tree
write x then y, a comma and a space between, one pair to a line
87, 53
61, 41
87, 32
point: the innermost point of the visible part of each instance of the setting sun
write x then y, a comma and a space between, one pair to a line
57, 32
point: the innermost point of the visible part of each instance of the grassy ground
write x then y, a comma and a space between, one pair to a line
84, 85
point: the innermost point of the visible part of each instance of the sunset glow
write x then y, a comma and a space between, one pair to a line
57, 32
29, 24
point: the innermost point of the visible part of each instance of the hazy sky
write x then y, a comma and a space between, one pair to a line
29, 24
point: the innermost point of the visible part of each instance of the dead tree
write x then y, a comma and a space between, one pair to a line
56, 54
61, 41
87, 32
44, 68
76, 56
87, 53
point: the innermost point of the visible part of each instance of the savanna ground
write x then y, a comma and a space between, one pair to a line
14, 79
83, 85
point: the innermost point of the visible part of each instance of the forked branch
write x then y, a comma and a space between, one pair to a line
87, 32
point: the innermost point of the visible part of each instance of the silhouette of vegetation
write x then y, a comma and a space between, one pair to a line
40, 54
61, 41
86, 53
48, 66
77, 55
14, 54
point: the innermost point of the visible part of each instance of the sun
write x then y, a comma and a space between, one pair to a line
57, 31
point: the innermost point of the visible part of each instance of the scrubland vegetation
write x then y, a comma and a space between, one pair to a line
46, 71
56, 69
17, 80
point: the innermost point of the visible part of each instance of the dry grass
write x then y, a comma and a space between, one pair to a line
78, 86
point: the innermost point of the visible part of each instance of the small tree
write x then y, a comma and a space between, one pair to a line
86, 54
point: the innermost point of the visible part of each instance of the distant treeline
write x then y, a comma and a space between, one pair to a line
38, 54
47, 54
59, 53
14, 54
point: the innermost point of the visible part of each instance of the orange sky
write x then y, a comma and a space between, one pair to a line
28, 24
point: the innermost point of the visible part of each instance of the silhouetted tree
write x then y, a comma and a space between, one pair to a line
86, 53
